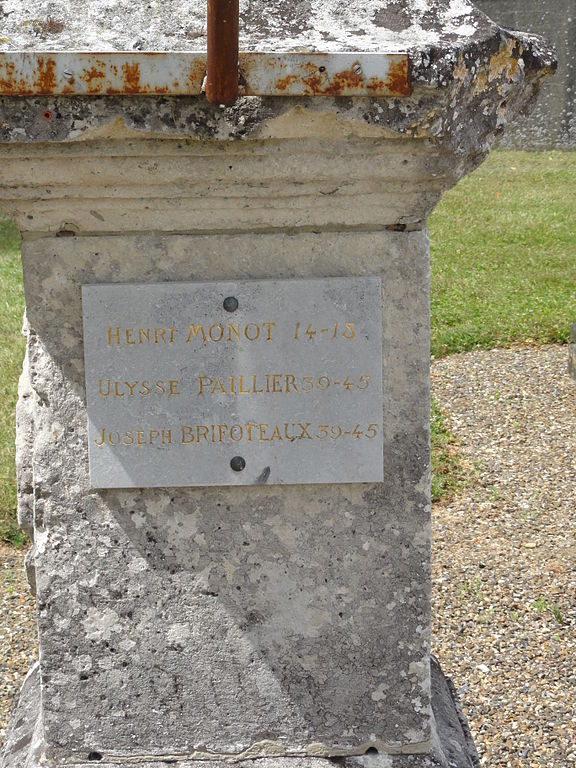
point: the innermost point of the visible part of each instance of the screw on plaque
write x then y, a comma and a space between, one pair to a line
237, 463
230, 304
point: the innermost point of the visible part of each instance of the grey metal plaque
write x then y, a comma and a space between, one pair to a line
234, 383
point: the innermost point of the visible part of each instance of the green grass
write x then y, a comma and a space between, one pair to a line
11, 354
503, 271
503, 247
448, 472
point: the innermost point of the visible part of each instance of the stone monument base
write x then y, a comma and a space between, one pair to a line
451, 744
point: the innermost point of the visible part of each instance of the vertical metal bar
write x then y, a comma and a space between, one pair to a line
222, 55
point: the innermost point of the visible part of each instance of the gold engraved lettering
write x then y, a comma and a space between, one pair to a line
130, 387
349, 333
255, 335
238, 432
133, 336
233, 329
202, 432
138, 388
269, 327
187, 434
104, 392
241, 390
163, 436
113, 438
102, 440
139, 437
205, 381
194, 331
218, 386
270, 383
219, 332
233, 332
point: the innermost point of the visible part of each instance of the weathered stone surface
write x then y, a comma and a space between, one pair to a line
452, 745
273, 621
320, 176
310, 24
471, 77
552, 123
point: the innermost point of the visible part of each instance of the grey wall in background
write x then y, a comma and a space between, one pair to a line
553, 122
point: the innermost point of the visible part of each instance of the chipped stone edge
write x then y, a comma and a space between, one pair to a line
505, 68
258, 750
451, 743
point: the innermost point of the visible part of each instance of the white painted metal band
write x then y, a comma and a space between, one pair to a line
76, 73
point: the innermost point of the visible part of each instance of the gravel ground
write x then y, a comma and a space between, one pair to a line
17, 629
504, 559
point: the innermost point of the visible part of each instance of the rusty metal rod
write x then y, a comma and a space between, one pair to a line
222, 54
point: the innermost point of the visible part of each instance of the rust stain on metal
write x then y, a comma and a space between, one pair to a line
10, 84
399, 82
94, 78
347, 79
131, 73
146, 73
45, 82
314, 81
196, 75
285, 83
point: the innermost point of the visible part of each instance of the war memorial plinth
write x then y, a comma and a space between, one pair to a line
223, 424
